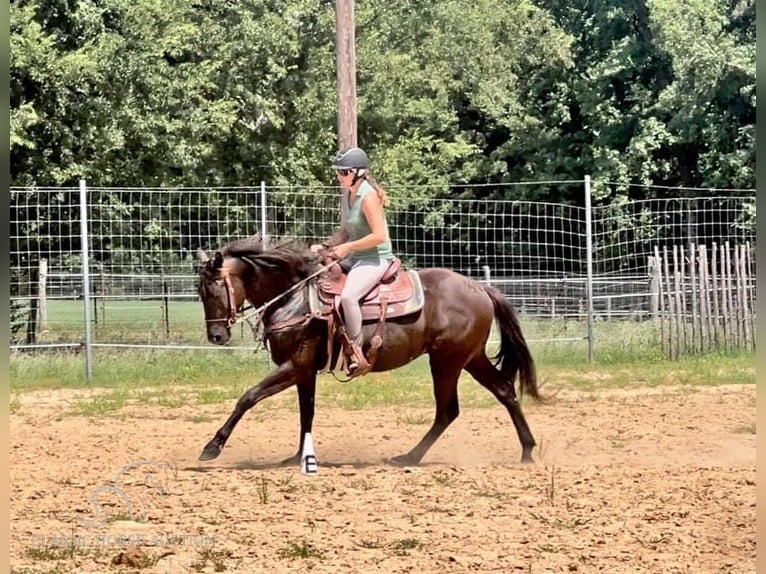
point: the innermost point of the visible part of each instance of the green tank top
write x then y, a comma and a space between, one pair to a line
356, 224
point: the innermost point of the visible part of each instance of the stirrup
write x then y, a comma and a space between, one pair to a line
357, 364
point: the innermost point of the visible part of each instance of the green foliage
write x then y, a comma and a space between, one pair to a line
665, 92
161, 92
710, 104
461, 93
136, 93
172, 379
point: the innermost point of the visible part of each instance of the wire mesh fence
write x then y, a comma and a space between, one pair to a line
142, 246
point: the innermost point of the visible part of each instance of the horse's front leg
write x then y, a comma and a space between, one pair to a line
283, 377
306, 392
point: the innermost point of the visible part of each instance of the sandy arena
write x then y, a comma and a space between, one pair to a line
657, 480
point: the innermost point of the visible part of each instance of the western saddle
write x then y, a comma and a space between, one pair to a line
398, 293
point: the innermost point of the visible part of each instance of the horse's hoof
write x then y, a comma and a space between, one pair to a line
293, 460
211, 451
403, 460
526, 458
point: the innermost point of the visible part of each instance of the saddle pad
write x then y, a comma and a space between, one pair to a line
405, 296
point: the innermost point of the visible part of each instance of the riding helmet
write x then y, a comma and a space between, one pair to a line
351, 158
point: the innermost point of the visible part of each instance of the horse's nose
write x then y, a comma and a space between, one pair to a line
217, 338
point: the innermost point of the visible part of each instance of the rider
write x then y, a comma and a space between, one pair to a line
362, 242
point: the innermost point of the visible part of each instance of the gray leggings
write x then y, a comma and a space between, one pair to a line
361, 279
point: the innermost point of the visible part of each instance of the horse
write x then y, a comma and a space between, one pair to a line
452, 327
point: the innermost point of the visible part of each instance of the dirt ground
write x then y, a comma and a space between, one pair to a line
648, 480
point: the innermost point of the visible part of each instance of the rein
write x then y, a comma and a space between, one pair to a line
234, 313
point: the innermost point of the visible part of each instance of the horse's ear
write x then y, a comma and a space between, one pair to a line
217, 260
202, 256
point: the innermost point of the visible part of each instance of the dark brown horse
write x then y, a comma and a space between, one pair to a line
452, 327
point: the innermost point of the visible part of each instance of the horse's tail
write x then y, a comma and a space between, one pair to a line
514, 356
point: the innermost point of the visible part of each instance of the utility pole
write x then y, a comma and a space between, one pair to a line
345, 57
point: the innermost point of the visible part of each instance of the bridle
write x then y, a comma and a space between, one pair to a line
233, 312
233, 316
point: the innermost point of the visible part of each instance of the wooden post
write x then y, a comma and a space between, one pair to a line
608, 308
750, 292
704, 300
31, 338
165, 303
714, 269
737, 295
679, 309
696, 326
34, 303
94, 298
742, 295
733, 334
42, 292
103, 297
671, 304
660, 295
345, 52
654, 283
725, 307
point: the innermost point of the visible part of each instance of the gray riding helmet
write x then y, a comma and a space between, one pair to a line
350, 158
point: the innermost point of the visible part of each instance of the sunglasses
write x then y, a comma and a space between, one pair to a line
343, 172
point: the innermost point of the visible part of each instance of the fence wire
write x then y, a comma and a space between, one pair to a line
143, 244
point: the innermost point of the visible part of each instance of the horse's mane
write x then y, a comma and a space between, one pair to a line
288, 253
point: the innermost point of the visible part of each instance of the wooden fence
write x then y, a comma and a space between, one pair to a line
706, 297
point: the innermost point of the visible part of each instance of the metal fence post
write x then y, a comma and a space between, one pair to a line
264, 233
265, 238
85, 277
589, 265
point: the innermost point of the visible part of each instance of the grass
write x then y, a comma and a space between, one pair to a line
55, 553
302, 550
208, 557
149, 377
626, 355
263, 489
57, 569
403, 546
102, 404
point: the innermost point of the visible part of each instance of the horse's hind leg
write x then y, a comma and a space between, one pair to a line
445, 377
489, 377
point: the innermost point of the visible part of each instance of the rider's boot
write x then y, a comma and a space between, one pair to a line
356, 363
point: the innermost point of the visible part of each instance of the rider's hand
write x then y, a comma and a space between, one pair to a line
341, 251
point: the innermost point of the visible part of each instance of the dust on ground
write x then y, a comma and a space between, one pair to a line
641, 480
